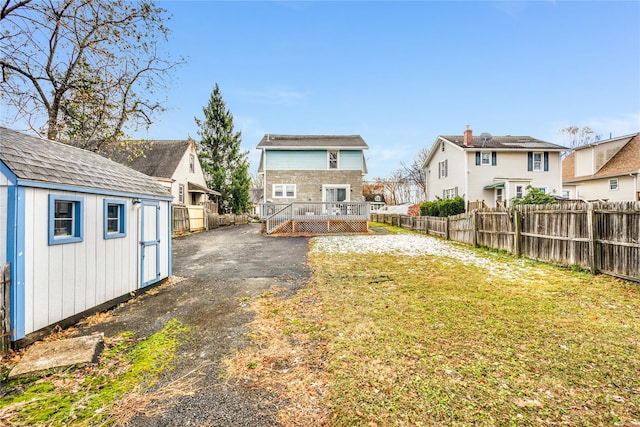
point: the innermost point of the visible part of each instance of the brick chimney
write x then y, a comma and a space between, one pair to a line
468, 137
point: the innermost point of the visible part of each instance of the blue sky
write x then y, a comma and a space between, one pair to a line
401, 73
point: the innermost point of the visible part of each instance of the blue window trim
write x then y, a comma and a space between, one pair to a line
78, 212
122, 207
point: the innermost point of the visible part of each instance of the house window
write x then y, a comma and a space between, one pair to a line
333, 160
442, 169
537, 161
519, 191
485, 158
543, 190
450, 193
613, 184
181, 194
114, 219
192, 163
566, 194
65, 219
442, 149
287, 191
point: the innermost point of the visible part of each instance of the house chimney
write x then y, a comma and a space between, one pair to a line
468, 137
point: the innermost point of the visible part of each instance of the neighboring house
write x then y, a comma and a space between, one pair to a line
78, 231
376, 201
493, 169
175, 164
605, 170
312, 168
255, 198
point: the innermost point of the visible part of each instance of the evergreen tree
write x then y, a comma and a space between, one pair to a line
226, 168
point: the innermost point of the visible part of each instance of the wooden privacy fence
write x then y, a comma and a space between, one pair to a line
5, 304
602, 237
189, 219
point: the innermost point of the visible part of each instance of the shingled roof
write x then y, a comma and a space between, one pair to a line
312, 142
626, 160
507, 142
160, 158
41, 161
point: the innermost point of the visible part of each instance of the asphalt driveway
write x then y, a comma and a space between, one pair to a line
222, 270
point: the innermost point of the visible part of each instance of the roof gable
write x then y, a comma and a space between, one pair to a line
160, 159
40, 160
306, 142
625, 160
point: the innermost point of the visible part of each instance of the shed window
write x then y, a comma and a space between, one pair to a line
65, 219
284, 190
114, 219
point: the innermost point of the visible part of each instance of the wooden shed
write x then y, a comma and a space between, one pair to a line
79, 231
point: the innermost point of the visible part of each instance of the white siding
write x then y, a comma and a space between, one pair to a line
436, 184
67, 279
183, 175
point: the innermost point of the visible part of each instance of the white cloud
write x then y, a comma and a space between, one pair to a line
272, 96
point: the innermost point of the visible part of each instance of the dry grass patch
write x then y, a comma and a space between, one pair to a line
384, 340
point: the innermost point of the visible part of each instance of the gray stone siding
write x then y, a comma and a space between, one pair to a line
309, 184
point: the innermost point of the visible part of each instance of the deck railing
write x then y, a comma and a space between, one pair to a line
277, 214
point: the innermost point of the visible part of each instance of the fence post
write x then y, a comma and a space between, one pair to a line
517, 225
5, 307
591, 228
446, 228
475, 227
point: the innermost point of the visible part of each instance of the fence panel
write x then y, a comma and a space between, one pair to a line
617, 228
180, 216
462, 228
556, 233
496, 229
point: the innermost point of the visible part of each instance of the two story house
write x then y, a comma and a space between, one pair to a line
491, 169
605, 170
312, 168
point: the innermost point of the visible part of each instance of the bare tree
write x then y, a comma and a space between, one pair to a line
416, 176
84, 71
580, 136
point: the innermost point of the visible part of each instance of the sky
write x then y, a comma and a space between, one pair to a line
401, 73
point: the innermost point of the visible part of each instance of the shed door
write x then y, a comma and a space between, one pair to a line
149, 243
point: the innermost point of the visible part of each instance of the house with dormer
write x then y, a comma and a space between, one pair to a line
605, 170
491, 170
312, 168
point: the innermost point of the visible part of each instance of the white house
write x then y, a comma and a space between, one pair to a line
605, 170
312, 168
491, 169
78, 230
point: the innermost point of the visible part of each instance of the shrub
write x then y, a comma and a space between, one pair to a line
534, 196
443, 207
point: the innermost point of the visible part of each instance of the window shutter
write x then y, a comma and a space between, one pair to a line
456, 192
478, 158
494, 158
530, 161
444, 195
439, 171
446, 167
546, 161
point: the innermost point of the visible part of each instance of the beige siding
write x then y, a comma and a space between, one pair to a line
182, 175
455, 171
599, 189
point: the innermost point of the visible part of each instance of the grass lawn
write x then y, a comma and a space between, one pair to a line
388, 340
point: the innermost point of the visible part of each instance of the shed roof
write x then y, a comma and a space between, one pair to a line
160, 158
42, 161
312, 142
